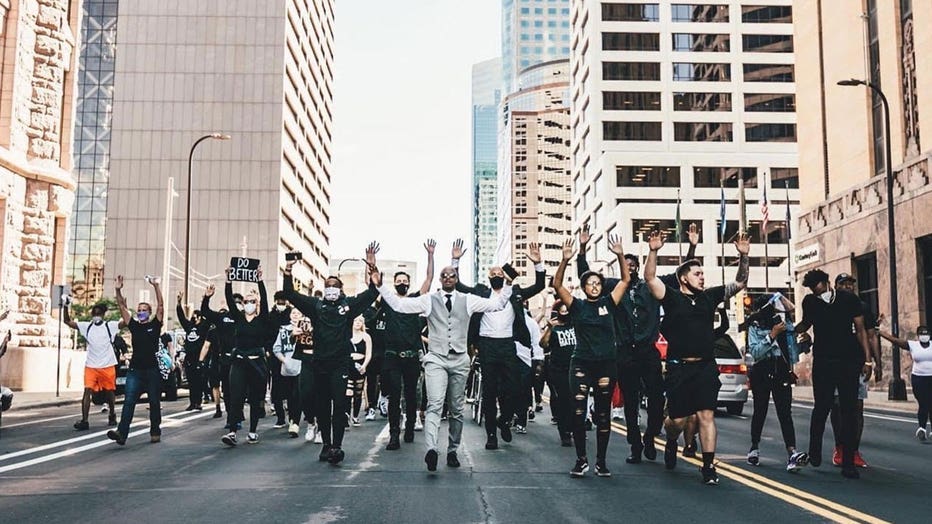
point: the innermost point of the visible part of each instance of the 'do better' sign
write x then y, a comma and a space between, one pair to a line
244, 269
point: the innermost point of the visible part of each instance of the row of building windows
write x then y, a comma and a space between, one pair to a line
650, 101
776, 230
703, 177
698, 131
650, 12
697, 42
550, 11
696, 72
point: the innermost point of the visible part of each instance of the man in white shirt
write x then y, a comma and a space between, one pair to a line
100, 364
446, 364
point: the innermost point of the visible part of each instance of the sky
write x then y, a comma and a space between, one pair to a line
402, 120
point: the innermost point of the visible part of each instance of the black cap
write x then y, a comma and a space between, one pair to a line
844, 277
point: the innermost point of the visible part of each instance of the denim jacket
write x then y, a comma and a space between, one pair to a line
761, 347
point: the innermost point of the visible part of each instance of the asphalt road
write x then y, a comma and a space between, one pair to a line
51, 473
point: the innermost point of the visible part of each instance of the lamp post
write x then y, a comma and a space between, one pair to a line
897, 387
187, 216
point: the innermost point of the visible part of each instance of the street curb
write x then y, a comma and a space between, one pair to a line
45, 403
909, 409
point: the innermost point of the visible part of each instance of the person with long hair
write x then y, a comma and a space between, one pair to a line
361, 355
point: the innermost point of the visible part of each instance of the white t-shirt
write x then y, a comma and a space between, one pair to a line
99, 349
922, 358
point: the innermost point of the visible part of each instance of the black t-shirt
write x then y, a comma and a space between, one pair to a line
402, 330
833, 324
689, 323
145, 337
561, 346
595, 332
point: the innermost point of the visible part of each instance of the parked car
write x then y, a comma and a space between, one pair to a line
733, 373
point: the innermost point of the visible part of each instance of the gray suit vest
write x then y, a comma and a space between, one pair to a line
447, 330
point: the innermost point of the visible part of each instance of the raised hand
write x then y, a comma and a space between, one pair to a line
289, 264
375, 277
259, 273
371, 251
119, 282
430, 246
533, 253
229, 273
655, 240
180, 297
693, 234
209, 290
743, 243
568, 250
615, 245
584, 236
458, 249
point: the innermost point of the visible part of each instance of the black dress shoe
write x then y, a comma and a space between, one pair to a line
491, 442
506, 431
431, 459
452, 460
409, 435
650, 450
393, 443
634, 457
324, 453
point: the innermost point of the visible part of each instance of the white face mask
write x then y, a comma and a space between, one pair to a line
331, 293
923, 339
280, 307
827, 296
249, 309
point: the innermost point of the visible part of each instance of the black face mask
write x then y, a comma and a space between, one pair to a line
692, 290
497, 282
402, 289
563, 318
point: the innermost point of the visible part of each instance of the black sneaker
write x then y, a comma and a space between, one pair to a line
452, 460
581, 467
815, 459
849, 472
634, 457
409, 435
116, 436
82, 425
601, 470
336, 456
506, 431
393, 443
217, 413
530, 414
709, 476
112, 422
669, 454
431, 459
689, 450
229, 439
324, 453
566, 441
650, 450
491, 442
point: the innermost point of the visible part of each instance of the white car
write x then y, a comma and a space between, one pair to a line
733, 373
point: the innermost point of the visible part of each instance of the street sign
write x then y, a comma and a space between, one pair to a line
807, 255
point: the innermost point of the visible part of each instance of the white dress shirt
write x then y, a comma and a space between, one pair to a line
422, 304
535, 352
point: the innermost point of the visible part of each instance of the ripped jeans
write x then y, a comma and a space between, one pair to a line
599, 377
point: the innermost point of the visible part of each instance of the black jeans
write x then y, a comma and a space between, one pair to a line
922, 389
498, 387
196, 383
595, 375
641, 374
331, 401
395, 371
306, 390
248, 378
374, 377
524, 394
827, 376
561, 403
292, 396
769, 378
225, 384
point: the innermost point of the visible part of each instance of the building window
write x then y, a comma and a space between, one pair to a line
630, 41
701, 42
784, 177
702, 101
701, 72
767, 43
766, 14
640, 228
770, 132
873, 52
630, 71
612, 12
865, 269
630, 101
649, 131
656, 176
924, 252
699, 13
702, 131
724, 176
768, 72
770, 103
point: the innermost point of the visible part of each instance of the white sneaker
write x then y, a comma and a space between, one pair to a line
370, 415
921, 434
293, 430
418, 425
383, 406
618, 413
104, 409
355, 422
311, 433
252, 438
319, 438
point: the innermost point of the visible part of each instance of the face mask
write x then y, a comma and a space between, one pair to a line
249, 309
280, 307
331, 293
693, 290
142, 316
924, 339
563, 318
402, 289
239, 306
497, 282
827, 296
97, 320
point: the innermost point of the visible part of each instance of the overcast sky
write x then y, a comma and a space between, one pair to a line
401, 139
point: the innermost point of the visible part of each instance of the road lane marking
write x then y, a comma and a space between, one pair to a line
74, 451
867, 415
369, 461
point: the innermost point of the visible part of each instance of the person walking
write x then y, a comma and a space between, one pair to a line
100, 362
283, 349
921, 379
361, 355
559, 337
222, 343
280, 316
196, 330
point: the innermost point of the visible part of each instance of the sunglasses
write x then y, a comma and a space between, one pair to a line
447, 275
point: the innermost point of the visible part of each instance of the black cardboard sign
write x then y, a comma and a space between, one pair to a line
244, 269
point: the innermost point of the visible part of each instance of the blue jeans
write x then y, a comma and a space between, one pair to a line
137, 382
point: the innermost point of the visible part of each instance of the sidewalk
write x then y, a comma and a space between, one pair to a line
876, 399
35, 400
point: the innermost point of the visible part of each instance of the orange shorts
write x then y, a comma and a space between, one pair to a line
100, 379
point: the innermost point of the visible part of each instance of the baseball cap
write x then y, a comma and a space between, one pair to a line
844, 277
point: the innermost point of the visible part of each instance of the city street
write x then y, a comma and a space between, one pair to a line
50, 473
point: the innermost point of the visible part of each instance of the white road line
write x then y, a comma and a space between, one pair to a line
369, 461
89, 436
869, 415
99, 444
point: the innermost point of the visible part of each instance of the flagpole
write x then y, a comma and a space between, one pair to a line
789, 251
721, 231
679, 226
764, 223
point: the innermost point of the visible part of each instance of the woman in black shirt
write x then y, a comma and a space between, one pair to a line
593, 362
559, 341
195, 335
249, 368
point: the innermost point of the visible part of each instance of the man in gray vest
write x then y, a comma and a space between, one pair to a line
446, 364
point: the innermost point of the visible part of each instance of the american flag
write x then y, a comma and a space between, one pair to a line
765, 210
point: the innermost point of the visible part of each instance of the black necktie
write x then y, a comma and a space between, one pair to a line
449, 303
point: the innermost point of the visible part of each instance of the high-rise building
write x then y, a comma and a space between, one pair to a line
486, 96
534, 172
533, 31
259, 70
355, 274
843, 170
674, 104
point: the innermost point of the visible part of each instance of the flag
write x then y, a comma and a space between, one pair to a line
786, 185
679, 225
721, 214
764, 211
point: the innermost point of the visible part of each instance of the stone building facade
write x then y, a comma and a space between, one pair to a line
36, 187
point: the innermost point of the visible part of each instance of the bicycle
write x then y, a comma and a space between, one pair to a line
474, 393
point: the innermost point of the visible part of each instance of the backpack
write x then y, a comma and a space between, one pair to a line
116, 342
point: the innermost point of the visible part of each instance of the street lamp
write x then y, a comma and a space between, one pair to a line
187, 216
897, 387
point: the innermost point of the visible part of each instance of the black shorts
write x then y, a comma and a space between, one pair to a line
691, 387
212, 374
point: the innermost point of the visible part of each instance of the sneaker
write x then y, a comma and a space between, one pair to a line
418, 425
324, 453
797, 461
859, 460
355, 422
104, 409
319, 438
553, 421
581, 467
635, 456
116, 436
431, 460
519, 429
601, 470
155, 439
709, 476
383, 406
566, 441
669, 454
754, 457
505, 430
815, 459
409, 435
491, 442
690, 449
650, 449
836, 457
311, 433
82, 425
393, 443
452, 460
921, 434
530, 414
279, 424
617, 414
850, 472
190, 407
336, 456
229, 439
293, 430
370, 415
217, 413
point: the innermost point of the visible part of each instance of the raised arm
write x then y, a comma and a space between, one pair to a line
693, 235
430, 246
616, 247
305, 304
234, 312
125, 317
66, 317
901, 343
419, 305
657, 288
540, 274
160, 303
263, 296
186, 324
581, 264
743, 246
562, 293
